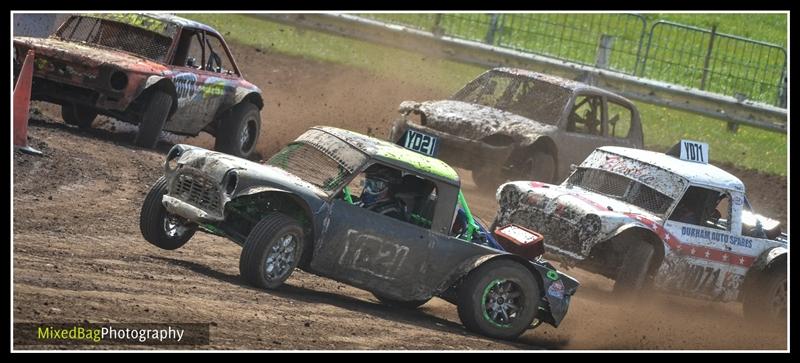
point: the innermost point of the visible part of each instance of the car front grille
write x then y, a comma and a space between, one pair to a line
197, 189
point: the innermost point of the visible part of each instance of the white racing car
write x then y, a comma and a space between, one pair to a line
669, 221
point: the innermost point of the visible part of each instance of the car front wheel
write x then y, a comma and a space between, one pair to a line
632, 275
499, 299
153, 119
543, 167
271, 251
159, 227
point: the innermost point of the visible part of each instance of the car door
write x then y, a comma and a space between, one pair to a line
707, 259
583, 130
373, 251
201, 90
622, 129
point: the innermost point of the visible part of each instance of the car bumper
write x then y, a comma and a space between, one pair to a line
456, 150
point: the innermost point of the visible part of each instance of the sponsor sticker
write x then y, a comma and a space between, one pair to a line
556, 290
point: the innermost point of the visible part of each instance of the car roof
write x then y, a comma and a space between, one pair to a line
562, 82
695, 173
183, 22
396, 155
168, 18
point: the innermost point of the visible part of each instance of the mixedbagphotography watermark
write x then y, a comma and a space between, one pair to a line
111, 333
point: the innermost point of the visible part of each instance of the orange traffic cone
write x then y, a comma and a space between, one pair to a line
22, 103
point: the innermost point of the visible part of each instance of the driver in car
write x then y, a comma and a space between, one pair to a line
378, 194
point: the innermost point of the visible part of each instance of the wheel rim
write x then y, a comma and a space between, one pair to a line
248, 136
502, 302
174, 227
778, 303
281, 256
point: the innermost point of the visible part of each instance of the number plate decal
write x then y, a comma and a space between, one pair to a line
421, 143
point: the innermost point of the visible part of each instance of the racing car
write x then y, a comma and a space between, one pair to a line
364, 212
670, 221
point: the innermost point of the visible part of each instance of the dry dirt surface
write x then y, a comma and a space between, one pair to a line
78, 255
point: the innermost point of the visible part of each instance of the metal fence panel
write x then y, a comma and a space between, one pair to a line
576, 37
719, 63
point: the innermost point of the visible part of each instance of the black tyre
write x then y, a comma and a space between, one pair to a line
153, 119
499, 299
271, 251
76, 115
158, 226
766, 301
412, 304
543, 167
238, 132
633, 274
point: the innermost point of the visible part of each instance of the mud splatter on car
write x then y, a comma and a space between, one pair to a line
159, 71
515, 124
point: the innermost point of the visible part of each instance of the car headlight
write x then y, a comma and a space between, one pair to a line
230, 181
118, 80
172, 158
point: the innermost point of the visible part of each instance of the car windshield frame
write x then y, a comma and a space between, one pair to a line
524, 96
330, 152
66, 32
634, 192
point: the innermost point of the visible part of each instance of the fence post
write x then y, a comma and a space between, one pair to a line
604, 51
782, 89
436, 29
492, 29
708, 57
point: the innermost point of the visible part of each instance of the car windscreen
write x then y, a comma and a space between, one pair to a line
319, 159
524, 96
622, 188
116, 35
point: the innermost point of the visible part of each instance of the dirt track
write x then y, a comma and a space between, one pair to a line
79, 256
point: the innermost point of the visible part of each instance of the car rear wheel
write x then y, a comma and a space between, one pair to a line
412, 304
632, 275
499, 299
153, 119
766, 302
238, 132
77, 115
159, 227
271, 251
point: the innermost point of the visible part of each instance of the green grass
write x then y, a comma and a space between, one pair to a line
676, 55
749, 148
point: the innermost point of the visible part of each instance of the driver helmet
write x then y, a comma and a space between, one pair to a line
377, 184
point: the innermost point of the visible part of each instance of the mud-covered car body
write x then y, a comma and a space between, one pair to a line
499, 120
620, 195
109, 63
403, 261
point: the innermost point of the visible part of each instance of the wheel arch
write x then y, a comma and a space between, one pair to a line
771, 257
260, 201
162, 84
636, 233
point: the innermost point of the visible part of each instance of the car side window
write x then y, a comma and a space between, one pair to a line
619, 120
217, 59
703, 207
190, 50
586, 116
393, 193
